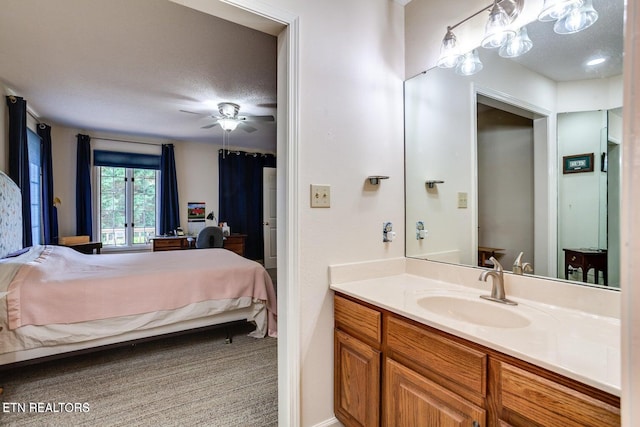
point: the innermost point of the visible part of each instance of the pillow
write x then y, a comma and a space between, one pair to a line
17, 253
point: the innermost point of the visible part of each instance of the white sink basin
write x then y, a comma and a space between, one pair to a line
474, 311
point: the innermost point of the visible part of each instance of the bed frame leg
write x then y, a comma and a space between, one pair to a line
229, 338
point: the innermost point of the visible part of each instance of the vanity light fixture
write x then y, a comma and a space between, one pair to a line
497, 31
469, 64
571, 16
578, 19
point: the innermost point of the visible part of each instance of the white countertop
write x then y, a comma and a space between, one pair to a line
573, 343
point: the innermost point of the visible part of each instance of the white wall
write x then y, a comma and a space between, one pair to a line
351, 126
438, 115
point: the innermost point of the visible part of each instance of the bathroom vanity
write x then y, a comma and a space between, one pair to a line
414, 351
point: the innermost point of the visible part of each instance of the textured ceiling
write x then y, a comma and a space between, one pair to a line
129, 67
562, 57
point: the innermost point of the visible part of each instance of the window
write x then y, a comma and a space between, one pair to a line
128, 205
35, 180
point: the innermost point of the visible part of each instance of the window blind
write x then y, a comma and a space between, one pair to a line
120, 159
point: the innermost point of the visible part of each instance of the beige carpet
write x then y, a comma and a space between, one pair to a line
189, 380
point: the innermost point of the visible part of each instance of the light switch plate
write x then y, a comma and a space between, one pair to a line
462, 200
320, 196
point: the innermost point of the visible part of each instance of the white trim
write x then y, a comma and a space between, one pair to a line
331, 422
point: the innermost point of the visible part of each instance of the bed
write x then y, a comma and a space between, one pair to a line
56, 300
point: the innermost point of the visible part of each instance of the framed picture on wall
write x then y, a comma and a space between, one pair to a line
577, 163
196, 211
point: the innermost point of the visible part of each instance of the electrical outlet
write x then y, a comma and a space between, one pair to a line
421, 233
320, 196
462, 200
387, 232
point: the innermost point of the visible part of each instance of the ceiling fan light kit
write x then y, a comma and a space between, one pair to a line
228, 124
229, 119
571, 16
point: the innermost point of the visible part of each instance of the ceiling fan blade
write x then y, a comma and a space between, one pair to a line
209, 126
245, 127
191, 112
257, 118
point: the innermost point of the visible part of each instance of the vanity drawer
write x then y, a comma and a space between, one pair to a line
548, 403
463, 366
358, 320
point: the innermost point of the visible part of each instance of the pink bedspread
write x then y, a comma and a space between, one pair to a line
65, 286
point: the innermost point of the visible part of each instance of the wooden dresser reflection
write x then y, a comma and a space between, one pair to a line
586, 259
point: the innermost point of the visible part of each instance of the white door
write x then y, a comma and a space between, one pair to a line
270, 222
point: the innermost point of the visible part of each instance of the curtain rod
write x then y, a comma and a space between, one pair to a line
126, 140
246, 153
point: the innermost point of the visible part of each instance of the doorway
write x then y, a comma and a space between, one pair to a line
505, 184
276, 21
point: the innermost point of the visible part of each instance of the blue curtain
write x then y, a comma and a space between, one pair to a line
240, 193
169, 206
49, 214
84, 226
19, 160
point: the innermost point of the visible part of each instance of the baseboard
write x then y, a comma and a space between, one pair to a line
331, 422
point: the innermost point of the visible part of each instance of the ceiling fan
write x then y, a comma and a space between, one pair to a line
229, 119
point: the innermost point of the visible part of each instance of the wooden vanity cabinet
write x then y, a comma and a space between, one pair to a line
396, 372
357, 358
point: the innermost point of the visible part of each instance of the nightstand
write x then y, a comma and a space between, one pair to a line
235, 243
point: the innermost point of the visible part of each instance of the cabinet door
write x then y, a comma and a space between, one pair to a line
412, 400
544, 402
356, 382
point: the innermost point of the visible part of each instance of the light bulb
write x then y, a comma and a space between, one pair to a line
517, 45
449, 51
578, 19
496, 31
556, 9
469, 64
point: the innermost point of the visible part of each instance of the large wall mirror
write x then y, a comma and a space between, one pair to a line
523, 156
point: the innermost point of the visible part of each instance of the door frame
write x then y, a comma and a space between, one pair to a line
261, 16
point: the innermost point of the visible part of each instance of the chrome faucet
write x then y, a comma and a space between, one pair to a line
497, 283
519, 267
